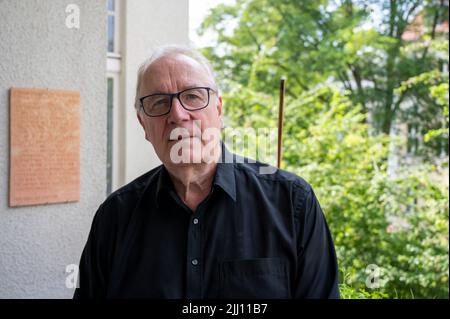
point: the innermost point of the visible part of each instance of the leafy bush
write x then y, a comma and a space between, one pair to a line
390, 227
398, 223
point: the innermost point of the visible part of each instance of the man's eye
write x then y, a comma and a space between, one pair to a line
192, 97
159, 103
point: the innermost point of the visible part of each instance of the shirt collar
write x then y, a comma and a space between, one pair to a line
164, 183
225, 173
224, 176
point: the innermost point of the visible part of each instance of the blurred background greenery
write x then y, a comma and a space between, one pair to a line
366, 124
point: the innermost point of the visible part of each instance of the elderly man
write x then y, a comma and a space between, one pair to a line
199, 226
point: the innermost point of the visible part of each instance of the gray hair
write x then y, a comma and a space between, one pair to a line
168, 50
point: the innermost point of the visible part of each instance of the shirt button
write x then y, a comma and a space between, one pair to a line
194, 262
195, 221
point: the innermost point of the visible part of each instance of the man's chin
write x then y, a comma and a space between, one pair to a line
185, 162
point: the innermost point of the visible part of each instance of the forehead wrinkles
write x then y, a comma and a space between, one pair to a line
175, 72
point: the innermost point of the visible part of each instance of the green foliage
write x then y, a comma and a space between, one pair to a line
347, 167
429, 119
397, 222
347, 292
313, 41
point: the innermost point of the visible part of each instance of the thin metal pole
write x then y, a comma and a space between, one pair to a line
280, 121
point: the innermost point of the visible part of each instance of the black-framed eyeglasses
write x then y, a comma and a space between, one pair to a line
192, 99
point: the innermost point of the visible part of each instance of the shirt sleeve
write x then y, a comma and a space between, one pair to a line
317, 269
93, 267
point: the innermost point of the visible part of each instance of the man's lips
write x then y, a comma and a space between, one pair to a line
180, 133
179, 138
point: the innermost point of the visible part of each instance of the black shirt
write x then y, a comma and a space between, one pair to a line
254, 236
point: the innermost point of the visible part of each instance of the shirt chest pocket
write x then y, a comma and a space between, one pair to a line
263, 278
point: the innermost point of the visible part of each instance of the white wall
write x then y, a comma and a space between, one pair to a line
147, 25
38, 50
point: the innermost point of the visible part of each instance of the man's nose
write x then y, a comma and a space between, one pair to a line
177, 112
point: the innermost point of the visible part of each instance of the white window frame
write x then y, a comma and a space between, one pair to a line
114, 71
116, 53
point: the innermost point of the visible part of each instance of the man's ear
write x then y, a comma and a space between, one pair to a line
219, 105
138, 114
220, 111
141, 121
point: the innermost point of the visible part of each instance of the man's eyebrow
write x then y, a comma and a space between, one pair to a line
187, 87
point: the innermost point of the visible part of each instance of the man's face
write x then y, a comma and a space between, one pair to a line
173, 74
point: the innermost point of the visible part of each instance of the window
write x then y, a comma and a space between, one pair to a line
114, 104
111, 26
109, 126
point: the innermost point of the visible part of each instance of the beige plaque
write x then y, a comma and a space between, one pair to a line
45, 146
